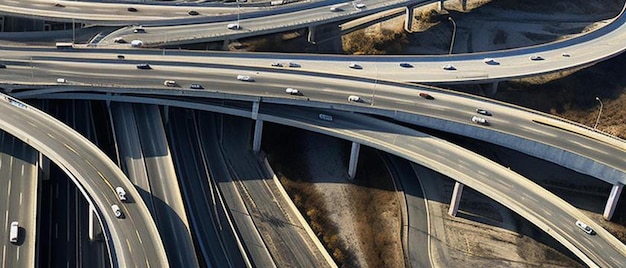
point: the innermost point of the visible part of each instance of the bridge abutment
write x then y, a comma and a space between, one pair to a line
354, 159
611, 203
456, 199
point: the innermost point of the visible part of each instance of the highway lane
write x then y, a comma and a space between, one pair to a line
210, 135
287, 241
78, 157
169, 211
212, 232
378, 94
18, 181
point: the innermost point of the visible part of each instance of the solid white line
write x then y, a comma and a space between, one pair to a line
21, 198
18, 253
4, 253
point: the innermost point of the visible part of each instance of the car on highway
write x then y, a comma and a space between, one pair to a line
336, 8
325, 117
490, 61
480, 120
449, 67
196, 86
121, 194
426, 96
132, 9
354, 98
3, 66
193, 13
14, 232
483, 112
293, 64
139, 30
535, 57
144, 66
61, 80
276, 64
233, 26
246, 78
136, 43
359, 5
121, 57
59, 5
406, 65
116, 211
119, 40
584, 227
566, 55
353, 65
170, 83
292, 91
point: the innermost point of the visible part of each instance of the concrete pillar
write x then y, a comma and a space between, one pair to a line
258, 135
225, 44
616, 191
494, 89
408, 21
255, 110
311, 36
108, 99
44, 167
95, 231
456, 199
440, 5
166, 113
354, 159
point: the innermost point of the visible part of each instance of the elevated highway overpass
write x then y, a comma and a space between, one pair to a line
548, 212
95, 175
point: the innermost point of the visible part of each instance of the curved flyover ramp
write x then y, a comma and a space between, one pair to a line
133, 240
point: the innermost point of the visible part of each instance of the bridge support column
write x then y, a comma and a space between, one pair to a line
311, 36
408, 21
440, 5
456, 199
95, 232
108, 99
354, 159
494, 89
166, 113
44, 167
616, 191
225, 44
258, 128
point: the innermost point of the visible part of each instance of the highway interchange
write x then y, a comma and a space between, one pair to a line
103, 71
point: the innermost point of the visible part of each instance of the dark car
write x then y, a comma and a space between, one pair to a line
139, 30
131, 9
196, 86
426, 96
121, 57
483, 112
144, 66
406, 65
193, 13
3, 66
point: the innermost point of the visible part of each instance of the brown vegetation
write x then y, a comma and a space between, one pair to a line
380, 42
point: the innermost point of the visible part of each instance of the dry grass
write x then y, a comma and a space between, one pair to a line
384, 41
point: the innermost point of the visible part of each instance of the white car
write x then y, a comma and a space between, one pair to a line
246, 78
61, 80
121, 194
480, 120
326, 117
169, 83
117, 211
449, 67
292, 91
359, 5
354, 98
584, 227
355, 66
233, 26
535, 57
136, 43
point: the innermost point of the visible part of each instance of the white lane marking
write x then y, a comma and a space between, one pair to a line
4, 253
22, 171
18, 253
6, 220
20, 198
